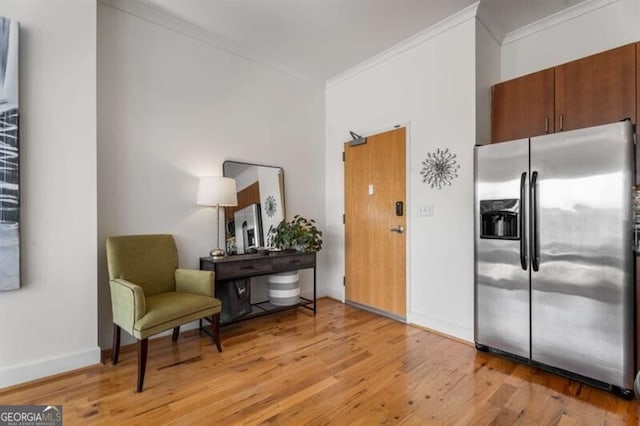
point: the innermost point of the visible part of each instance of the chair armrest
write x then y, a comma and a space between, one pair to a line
127, 303
196, 282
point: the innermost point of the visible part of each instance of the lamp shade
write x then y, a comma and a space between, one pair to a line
217, 191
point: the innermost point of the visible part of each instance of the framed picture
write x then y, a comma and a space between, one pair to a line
9, 157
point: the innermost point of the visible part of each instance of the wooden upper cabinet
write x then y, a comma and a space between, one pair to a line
597, 89
523, 107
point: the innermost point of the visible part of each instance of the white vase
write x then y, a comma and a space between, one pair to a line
284, 288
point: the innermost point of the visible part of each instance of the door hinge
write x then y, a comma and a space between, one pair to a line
343, 156
344, 219
344, 281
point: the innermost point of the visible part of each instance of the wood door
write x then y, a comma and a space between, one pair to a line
375, 263
522, 107
598, 89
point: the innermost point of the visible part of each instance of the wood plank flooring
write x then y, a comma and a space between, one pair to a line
344, 366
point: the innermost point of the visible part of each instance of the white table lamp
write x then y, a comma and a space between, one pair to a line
217, 191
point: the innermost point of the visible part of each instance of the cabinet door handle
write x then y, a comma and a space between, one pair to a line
546, 124
293, 261
244, 268
561, 122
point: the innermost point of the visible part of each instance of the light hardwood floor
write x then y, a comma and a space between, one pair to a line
345, 366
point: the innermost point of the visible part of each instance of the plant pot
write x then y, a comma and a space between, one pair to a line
284, 288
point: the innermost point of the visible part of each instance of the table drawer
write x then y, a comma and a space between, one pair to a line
229, 270
292, 263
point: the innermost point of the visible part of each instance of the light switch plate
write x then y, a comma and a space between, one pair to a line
426, 210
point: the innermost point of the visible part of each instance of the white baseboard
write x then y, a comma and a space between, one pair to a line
27, 372
335, 293
320, 292
440, 326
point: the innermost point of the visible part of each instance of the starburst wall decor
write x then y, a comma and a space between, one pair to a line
439, 168
270, 205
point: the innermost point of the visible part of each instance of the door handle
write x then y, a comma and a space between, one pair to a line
399, 229
535, 244
523, 232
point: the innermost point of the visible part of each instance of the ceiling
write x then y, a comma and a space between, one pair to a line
319, 39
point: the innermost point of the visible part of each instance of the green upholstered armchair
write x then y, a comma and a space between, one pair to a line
149, 294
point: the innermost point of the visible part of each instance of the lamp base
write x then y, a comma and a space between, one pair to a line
216, 252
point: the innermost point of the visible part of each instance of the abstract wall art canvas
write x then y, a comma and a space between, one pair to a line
9, 157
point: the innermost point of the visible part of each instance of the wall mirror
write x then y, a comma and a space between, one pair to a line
260, 205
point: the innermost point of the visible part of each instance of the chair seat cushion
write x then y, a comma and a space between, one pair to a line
168, 310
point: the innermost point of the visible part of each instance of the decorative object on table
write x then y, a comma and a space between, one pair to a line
439, 168
270, 206
9, 152
231, 245
217, 191
299, 233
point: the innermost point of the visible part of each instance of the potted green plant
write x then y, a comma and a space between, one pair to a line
299, 233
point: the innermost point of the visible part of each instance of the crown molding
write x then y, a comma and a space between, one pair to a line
150, 12
490, 24
452, 21
556, 19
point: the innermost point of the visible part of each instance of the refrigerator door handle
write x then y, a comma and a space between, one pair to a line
523, 237
535, 253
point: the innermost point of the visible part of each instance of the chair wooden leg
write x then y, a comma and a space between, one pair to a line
176, 333
215, 330
142, 362
115, 347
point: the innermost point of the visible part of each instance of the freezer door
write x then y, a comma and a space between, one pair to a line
501, 265
582, 294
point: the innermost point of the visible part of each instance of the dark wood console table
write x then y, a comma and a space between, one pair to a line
254, 265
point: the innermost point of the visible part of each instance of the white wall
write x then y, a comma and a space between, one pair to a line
50, 325
487, 74
269, 186
246, 178
556, 41
431, 85
172, 107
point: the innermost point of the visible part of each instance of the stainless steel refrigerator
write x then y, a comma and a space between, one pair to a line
554, 257
248, 222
